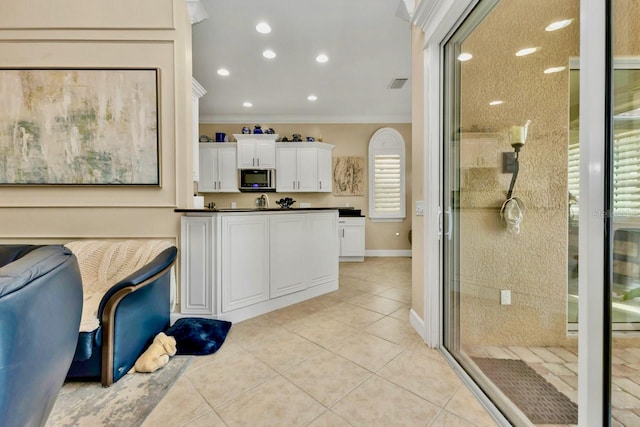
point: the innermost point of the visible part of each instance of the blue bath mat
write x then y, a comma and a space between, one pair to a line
197, 336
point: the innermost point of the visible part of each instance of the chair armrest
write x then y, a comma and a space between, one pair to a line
142, 276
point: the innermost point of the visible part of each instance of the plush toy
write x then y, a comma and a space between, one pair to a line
157, 355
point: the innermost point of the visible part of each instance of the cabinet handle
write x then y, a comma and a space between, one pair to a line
258, 161
219, 185
294, 185
298, 185
253, 161
320, 185
215, 185
343, 233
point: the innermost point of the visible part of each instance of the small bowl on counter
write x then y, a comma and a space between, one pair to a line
285, 203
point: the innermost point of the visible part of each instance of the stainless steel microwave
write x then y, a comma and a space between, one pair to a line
257, 180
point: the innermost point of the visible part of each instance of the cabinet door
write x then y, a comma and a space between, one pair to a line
208, 169
196, 260
245, 261
322, 235
307, 169
246, 154
325, 174
286, 180
352, 240
265, 153
288, 254
227, 170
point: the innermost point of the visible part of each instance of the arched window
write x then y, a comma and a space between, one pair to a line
386, 176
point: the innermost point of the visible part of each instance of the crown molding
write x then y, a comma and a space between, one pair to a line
197, 89
423, 13
197, 12
437, 17
244, 119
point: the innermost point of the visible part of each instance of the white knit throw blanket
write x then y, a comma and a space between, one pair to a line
103, 264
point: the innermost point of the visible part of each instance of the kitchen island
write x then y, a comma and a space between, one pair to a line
240, 263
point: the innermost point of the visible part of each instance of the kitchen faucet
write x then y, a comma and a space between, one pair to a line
263, 201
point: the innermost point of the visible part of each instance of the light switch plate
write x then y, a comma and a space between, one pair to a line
420, 207
505, 297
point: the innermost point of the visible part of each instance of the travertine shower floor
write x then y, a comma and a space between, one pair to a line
559, 366
347, 358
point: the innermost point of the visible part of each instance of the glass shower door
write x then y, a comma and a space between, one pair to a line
505, 206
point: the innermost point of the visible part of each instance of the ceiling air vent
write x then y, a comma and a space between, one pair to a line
397, 83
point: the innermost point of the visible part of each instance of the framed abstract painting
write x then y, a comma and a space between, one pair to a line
79, 126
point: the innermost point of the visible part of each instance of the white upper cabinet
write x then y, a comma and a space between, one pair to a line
299, 167
256, 151
218, 172
286, 167
325, 169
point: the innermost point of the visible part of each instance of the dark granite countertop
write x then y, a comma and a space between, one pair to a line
343, 211
231, 210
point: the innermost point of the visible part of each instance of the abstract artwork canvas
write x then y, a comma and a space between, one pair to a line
348, 176
79, 127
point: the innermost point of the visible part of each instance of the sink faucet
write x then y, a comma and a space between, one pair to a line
263, 201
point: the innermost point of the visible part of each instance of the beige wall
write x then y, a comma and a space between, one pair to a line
532, 264
349, 140
114, 34
417, 177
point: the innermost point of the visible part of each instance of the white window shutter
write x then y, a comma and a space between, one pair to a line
387, 176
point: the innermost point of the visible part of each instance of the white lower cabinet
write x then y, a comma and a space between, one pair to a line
351, 234
244, 261
240, 265
288, 243
322, 250
196, 242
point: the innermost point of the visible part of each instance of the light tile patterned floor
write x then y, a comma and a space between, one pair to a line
347, 358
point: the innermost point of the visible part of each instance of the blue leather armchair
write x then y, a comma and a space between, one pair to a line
40, 309
130, 315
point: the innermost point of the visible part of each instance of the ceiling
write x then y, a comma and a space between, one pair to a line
368, 46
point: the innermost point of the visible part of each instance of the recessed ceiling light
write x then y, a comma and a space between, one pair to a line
464, 56
526, 51
247, 104
554, 70
263, 28
322, 58
312, 97
223, 72
558, 25
269, 54
496, 102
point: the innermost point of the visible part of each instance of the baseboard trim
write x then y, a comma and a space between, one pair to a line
388, 252
417, 323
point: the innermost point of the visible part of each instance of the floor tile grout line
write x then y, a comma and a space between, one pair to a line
259, 383
370, 374
433, 420
248, 347
203, 398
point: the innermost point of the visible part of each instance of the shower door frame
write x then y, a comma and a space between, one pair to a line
439, 20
